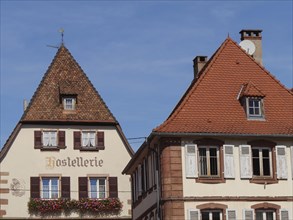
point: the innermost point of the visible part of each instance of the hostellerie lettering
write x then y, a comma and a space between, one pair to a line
52, 162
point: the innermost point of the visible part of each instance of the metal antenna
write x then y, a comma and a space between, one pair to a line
61, 30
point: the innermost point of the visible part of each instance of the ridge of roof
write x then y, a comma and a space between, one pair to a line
64, 59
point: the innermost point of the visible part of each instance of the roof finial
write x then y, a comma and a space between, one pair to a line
61, 30
228, 35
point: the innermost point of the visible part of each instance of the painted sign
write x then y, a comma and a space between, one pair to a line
52, 162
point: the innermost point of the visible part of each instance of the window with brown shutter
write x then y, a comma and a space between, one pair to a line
61, 139
38, 139
88, 140
113, 187
65, 187
77, 140
101, 140
35, 187
83, 187
49, 140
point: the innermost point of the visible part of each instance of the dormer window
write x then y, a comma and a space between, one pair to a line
254, 107
69, 103
251, 98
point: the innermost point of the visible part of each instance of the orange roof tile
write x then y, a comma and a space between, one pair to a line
211, 104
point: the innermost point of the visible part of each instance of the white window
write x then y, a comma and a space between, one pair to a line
97, 187
88, 139
261, 162
209, 162
49, 138
265, 215
69, 103
254, 107
50, 188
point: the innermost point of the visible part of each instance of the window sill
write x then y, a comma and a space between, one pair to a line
53, 148
210, 180
263, 181
92, 149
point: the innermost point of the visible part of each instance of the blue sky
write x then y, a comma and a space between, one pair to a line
138, 54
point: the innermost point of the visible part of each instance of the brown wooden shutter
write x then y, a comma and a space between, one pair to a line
77, 140
61, 139
65, 187
38, 139
35, 187
83, 187
113, 187
101, 139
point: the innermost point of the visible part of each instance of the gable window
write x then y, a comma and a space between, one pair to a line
97, 187
69, 103
50, 188
88, 139
254, 107
262, 162
208, 161
49, 139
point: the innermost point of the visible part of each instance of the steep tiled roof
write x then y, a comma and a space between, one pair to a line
211, 104
65, 77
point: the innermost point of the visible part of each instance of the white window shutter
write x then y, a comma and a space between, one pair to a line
245, 161
284, 214
193, 214
190, 161
229, 161
231, 214
248, 214
281, 162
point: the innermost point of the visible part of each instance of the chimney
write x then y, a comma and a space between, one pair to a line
198, 64
255, 37
24, 105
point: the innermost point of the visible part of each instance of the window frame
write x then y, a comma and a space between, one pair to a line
211, 143
50, 178
260, 107
72, 105
89, 138
106, 195
261, 162
208, 162
264, 179
49, 132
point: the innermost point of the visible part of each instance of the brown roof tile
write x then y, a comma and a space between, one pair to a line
65, 77
211, 104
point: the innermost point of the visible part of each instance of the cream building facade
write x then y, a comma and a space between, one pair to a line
67, 146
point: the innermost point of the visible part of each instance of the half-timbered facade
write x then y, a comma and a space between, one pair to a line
65, 156
225, 152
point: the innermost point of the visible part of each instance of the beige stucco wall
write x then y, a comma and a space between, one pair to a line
239, 187
23, 161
